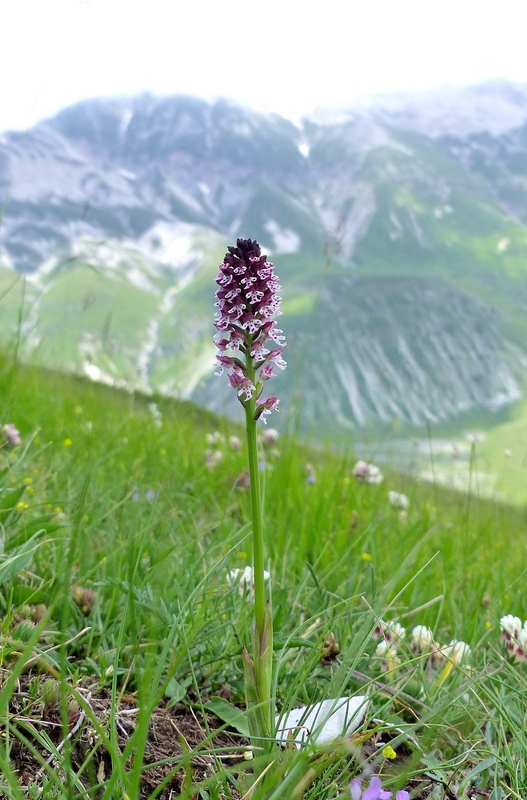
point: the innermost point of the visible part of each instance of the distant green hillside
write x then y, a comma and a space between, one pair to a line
401, 251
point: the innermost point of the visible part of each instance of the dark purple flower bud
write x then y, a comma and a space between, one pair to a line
247, 301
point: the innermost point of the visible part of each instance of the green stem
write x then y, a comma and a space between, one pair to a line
256, 507
263, 633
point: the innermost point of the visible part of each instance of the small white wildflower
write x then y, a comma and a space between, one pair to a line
215, 438
367, 473
391, 631
510, 627
382, 648
270, 436
507, 453
12, 436
421, 639
520, 651
457, 651
398, 500
243, 579
394, 630
514, 636
235, 443
212, 457
232, 576
387, 651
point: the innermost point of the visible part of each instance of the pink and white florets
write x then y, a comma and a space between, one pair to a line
247, 301
515, 636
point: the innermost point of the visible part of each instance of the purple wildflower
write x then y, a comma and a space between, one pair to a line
266, 406
150, 495
374, 791
247, 301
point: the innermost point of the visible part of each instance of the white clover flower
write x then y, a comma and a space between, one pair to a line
422, 639
393, 631
232, 576
387, 651
270, 436
12, 436
235, 443
215, 438
382, 648
518, 647
514, 636
212, 457
510, 627
243, 579
398, 500
457, 651
367, 473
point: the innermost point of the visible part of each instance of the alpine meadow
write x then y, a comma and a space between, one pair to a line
301, 577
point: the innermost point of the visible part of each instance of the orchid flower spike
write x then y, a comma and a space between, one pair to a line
249, 341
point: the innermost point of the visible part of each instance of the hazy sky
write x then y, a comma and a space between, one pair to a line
288, 56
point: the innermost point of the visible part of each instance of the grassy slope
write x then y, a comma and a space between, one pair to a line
122, 449
505, 453
88, 449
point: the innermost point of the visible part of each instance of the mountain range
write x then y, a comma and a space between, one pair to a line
398, 229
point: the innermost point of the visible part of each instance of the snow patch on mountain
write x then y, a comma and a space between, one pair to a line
284, 239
